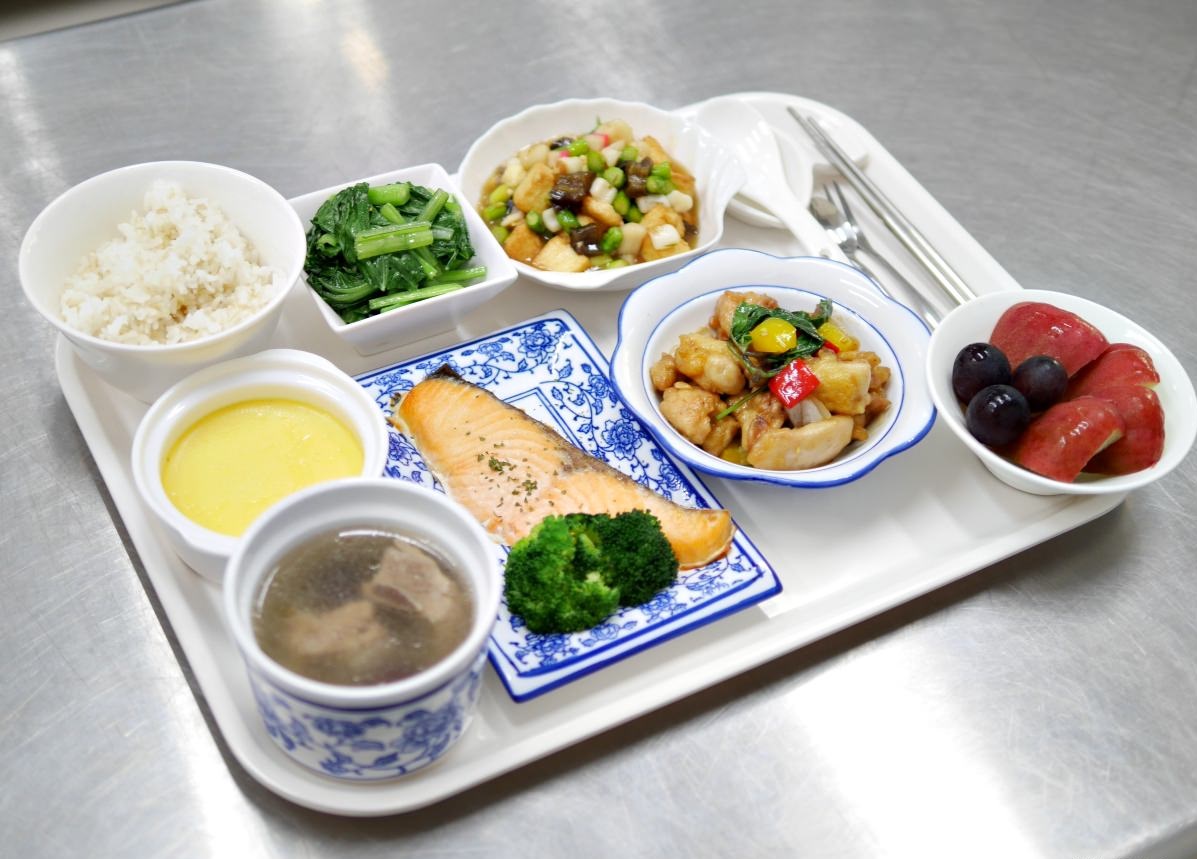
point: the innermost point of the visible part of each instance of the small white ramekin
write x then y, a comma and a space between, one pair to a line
366, 733
288, 373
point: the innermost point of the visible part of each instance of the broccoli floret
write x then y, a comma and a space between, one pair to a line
572, 571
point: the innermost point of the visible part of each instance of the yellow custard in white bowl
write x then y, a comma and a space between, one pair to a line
233, 463
224, 445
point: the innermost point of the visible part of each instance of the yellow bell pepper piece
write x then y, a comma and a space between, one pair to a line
735, 454
836, 336
774, 336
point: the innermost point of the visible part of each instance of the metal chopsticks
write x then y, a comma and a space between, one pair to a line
897, 223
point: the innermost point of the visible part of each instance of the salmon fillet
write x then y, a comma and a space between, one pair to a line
510, 470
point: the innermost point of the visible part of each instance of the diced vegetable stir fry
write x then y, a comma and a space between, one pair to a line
373, 249
604, 199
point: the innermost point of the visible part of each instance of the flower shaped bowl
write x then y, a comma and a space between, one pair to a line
717, 172
659, 312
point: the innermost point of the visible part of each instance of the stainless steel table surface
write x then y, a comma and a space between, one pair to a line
1045, 706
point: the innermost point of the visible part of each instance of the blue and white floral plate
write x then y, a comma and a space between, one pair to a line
550, 368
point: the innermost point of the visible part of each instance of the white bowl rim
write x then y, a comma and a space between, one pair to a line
396, 693
1099, 484
869, 457
214, 381
587, 281
288, 277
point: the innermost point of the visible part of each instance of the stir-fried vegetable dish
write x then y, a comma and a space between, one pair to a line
771, 388
603, 199
373, 249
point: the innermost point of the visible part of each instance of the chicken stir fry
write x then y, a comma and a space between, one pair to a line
770, 388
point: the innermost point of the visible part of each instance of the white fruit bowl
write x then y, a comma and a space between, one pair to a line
973, 322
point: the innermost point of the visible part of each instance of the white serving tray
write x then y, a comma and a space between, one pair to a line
920, 521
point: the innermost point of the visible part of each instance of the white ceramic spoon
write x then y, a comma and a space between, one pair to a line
742, 129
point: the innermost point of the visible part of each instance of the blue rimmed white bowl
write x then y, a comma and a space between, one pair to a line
655, 315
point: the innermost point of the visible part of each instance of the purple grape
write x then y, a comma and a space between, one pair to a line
1042, 380
977, 366
997, 415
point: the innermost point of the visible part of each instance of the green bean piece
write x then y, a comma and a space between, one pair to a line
495, 212
611, 241
621, 203
578, 147
567, 219
595, 162
615, 177
634, 214
535, 222
499, 232
657, 185
662, 170
629, 153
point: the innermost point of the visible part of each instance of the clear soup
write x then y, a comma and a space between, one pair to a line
358, 607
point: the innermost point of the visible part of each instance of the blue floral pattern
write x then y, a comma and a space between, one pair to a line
549, 367
369, 744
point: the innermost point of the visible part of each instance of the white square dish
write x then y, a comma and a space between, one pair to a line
423, 318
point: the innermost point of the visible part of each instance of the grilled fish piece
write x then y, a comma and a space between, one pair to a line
510, 470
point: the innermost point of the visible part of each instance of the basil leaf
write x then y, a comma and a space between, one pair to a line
761, 366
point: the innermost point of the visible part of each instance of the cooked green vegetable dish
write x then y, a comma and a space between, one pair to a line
372, 249
572, 571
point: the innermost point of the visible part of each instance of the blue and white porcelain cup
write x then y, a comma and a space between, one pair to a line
366, 733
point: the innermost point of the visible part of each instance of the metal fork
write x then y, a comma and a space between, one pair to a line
835, 214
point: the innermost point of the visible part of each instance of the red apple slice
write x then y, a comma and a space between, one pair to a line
1120, 364
1037, 328
1060, 441
1142, 445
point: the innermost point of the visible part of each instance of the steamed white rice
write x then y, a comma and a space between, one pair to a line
179, 270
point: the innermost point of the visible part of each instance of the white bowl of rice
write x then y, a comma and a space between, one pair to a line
155, 270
